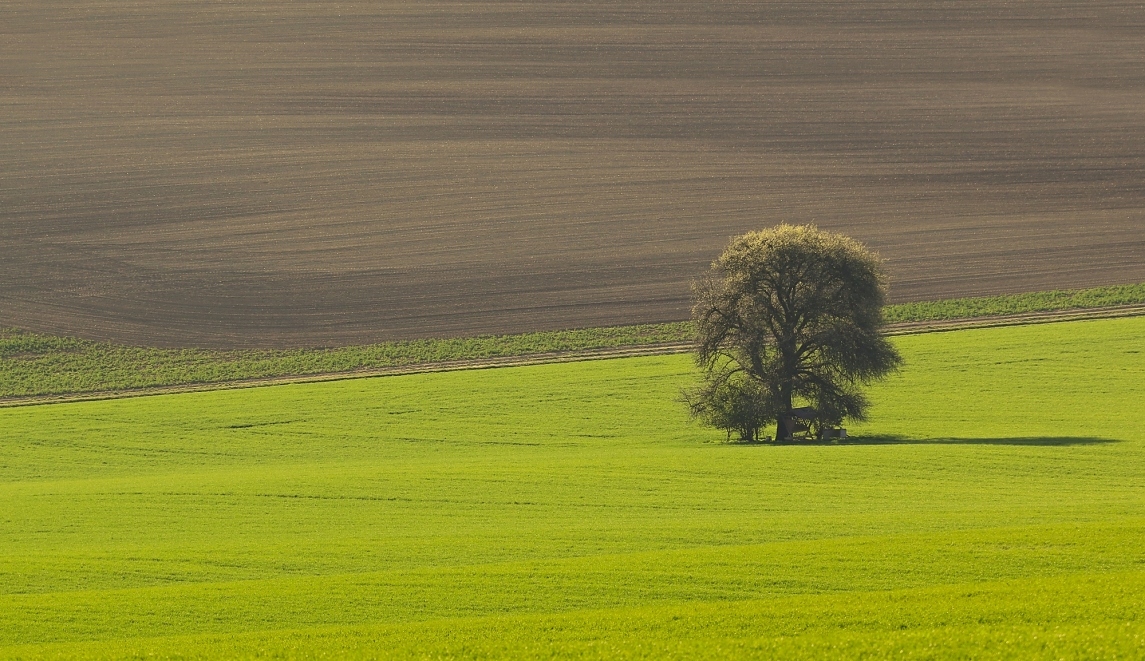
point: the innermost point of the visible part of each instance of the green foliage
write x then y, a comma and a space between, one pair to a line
570, 510
789, 313
729, 401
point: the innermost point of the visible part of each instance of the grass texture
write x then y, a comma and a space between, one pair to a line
992, 306
33, 364
991, 507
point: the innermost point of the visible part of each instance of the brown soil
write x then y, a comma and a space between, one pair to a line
283, 173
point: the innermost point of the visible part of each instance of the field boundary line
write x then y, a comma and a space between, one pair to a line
1018, 319
553, 357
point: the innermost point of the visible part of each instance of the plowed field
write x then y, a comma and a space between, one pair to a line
288, 173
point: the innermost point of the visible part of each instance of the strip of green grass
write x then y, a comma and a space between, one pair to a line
33, 364
991, 508
992, 306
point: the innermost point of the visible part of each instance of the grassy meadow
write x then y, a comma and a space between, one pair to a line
36, 364
993, 506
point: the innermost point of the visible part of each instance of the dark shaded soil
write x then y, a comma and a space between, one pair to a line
282, 174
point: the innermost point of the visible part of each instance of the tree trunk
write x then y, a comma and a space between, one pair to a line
784, 424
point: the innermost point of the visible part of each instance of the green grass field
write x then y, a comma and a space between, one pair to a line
993, 507
35, 364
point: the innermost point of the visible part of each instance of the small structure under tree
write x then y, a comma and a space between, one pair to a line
788, 316
799, 423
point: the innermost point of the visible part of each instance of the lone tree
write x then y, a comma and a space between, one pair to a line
788, 315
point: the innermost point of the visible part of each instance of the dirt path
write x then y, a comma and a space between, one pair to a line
909, 328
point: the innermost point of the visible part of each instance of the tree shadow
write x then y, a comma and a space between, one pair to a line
1045, 441
887, 439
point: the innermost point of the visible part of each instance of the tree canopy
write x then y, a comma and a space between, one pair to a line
789, 316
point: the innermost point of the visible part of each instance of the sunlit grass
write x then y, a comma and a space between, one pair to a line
992, 505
